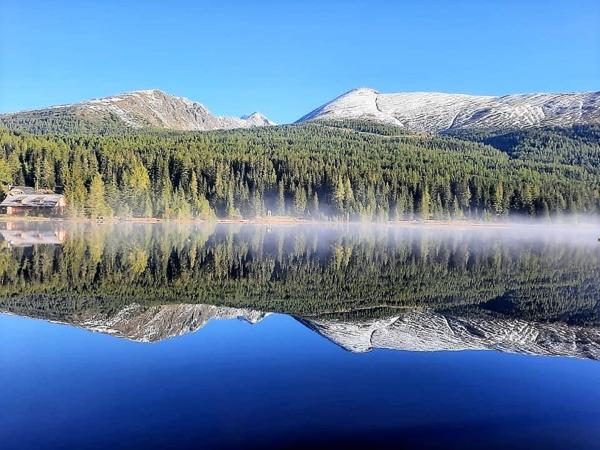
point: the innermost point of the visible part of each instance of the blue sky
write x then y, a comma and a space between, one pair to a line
284, 58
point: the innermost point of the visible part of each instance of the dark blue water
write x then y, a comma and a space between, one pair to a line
276, 384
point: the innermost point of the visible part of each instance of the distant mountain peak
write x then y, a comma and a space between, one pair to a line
259, 118
439, 112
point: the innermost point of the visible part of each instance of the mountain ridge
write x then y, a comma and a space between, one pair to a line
419, 111
140, 109
437, 112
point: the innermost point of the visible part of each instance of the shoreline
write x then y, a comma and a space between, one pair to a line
288, 220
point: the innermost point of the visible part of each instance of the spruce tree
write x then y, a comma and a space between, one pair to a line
96, 206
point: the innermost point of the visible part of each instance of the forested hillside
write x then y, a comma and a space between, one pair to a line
577, 145
350, 171
62, 120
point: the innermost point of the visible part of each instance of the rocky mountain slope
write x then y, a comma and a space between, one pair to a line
439, 113
433, 331
133, 110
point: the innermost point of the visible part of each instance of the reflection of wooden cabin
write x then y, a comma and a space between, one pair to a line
24, 238
22, 200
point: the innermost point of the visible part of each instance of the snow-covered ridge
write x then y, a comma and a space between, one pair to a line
154, 109
437, 112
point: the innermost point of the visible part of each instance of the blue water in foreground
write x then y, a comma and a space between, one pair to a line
276, 384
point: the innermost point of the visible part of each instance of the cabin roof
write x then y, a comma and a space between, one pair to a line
32, 200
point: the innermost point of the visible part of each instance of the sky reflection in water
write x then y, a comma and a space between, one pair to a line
289, 380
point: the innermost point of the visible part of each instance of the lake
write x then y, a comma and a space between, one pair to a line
323, 336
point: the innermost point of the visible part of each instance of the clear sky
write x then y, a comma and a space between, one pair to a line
284, 58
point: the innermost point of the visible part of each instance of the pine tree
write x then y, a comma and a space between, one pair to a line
300, 200
6, 177
203, 209
463, 193
75, 194
456, 211
348, 195
499, 198
96, 206
528, 200
137, 187
339, 194
193, 186
148, 210
231, 211
280, 198
166, 201
424, 203
256, 204
181, 208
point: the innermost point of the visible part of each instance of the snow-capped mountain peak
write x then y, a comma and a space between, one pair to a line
258, 119
438, 112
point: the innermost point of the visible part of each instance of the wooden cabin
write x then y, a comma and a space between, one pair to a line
24, 200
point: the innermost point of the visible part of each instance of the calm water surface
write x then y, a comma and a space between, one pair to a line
149, 336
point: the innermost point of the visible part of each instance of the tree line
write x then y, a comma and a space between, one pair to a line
349, 171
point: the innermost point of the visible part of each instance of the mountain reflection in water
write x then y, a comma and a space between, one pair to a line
523, 289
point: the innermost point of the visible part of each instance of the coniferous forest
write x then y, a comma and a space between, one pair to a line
335, 170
